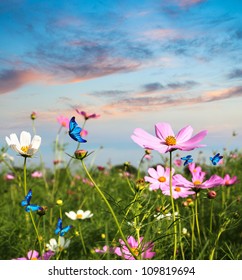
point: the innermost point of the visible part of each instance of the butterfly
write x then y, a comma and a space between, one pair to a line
60, 229
216, 159
188, 159
75, 130
26, 203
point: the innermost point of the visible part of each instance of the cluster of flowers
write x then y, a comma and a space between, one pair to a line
139, 249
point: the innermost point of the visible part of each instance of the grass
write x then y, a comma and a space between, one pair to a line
123, 206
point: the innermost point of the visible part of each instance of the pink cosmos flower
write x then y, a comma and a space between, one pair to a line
178, 162
37, 174
9, 177
194, 169
166, 141
105, 249
177, 191
87, 116
198, 181
34, 255
63, 121
228, 181
159, 178
138, 248
84, 133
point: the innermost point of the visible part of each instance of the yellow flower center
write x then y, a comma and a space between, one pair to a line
33, 259
162, 179
177, 189
25, 149
227, 183
197, 182
135, 251
79, 216
194, 170
170, 140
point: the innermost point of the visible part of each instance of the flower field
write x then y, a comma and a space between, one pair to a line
175, 209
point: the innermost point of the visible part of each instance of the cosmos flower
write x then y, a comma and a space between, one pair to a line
228, 181
165, 139
63, 121
9, 177
178, 191
34, 255
158, 178
55, 246
138, 248
37, 174
87, 116
79, 215
198, 182
25, 147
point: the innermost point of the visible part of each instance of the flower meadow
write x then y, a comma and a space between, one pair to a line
175, 209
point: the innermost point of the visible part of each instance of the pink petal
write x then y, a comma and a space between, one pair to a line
163, 130
184, 134
192, 143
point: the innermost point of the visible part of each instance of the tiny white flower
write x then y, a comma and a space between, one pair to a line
79, 215
55, 247
25, 147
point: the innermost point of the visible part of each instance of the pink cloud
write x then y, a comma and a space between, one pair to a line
11, 80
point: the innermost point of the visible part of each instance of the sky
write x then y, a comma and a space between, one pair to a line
136, 63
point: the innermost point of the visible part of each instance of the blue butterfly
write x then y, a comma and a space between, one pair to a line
60, 229
216, 159
75, 130
26, 203
188, 159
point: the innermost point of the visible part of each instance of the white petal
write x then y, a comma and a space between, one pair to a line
35, 144
80, 212
25, 138
62, 241
71, 215
67, 244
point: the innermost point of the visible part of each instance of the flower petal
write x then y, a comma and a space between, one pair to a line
163, 130
184, 134
147, 141
25, 138
36, 141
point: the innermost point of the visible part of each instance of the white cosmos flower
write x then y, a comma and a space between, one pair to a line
25, 147
55, 247
79, 215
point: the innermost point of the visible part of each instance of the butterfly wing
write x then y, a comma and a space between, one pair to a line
58, 226
75, 130
65, 230
32, 207
216, 159
26, 200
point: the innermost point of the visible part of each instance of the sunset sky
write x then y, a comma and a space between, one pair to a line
136, 63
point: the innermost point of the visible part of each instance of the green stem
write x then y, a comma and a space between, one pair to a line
173, 210
25, 176
82, 240
36, 231
211, 216
192, 233
109, 207
197, 220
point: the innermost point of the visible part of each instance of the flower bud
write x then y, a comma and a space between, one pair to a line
59, 202
80, 154
211, 194
33, 115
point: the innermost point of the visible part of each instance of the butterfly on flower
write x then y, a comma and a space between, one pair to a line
216, 159
59, 229
75, 130
26, 203
187, 159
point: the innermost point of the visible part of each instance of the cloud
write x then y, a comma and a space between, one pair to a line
155, 103
11, 79
154, 87
236, 73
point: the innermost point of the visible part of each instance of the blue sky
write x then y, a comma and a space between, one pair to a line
136, 63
